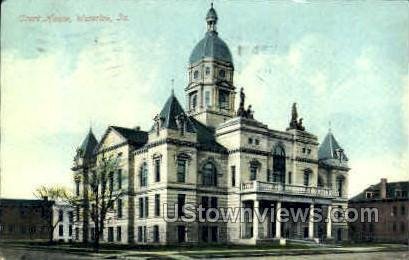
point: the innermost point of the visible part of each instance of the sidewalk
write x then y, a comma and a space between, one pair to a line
195, 253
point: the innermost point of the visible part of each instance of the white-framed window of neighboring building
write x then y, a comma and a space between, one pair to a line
209, 174
143, 176
369, 194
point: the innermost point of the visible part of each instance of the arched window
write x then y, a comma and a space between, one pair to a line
144, 175
209, 174
340, 185
307, 174
278, 164
194, 102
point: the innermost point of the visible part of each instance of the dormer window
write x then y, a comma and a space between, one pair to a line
369, 195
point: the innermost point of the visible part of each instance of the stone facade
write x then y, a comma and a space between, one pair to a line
214, 157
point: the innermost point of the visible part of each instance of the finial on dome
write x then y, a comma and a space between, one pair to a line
329, 126
211, 19
173, 88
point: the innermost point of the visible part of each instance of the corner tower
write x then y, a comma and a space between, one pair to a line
210, 92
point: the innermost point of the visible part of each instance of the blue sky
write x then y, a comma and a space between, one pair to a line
341, 61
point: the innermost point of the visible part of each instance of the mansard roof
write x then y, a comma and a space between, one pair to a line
86, 150
170, 113
391, 188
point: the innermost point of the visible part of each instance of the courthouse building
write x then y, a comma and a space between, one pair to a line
215, 154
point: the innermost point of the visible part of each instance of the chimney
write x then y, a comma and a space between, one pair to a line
383, 188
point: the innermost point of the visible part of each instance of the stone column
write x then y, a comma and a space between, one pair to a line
329, 223
278, 219
255, 219
311, 223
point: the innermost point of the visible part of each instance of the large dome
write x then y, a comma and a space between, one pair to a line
211, 46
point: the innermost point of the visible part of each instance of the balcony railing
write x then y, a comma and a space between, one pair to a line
258, 186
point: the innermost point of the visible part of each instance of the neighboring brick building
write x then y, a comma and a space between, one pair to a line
392, 202
24, 219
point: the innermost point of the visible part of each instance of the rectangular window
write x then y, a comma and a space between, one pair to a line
181, 234
118, 234
156, 233
157, 205
61, 230
70, 216
207, 99
233, 176
77, 234
181, 171
144, 234
77, 188
141, 207
205, 233
214, 234
181, 204
146, 207
119, 179
213, 205
290, 177
110, 234
139, 234
306, 178
205, 205
157, 170
70, 230
253, 172
60, 215
119, 208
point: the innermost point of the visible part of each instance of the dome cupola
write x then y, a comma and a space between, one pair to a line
211, 46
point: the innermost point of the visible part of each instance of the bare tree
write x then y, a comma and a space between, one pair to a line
56, 194
102, 193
